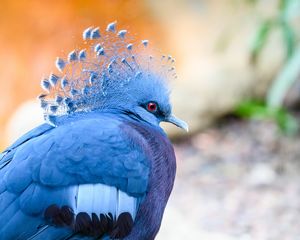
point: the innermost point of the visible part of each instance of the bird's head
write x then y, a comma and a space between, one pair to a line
114, 73
147, 99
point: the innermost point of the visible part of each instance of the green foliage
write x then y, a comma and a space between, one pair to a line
272, 108
284, 80
281, 21
259, 110
289, 38
261, 38
251, 1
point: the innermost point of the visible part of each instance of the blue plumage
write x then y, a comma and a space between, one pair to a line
101, 166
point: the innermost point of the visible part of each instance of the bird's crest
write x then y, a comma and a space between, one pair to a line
111, 60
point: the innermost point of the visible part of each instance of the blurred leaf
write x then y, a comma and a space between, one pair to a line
293, 9
289, 38
261, 39
252, 1
272, 109
258, 110
285, 79
283, 4
252, 109
287, 123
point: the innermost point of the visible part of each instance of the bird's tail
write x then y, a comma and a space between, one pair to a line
50, 232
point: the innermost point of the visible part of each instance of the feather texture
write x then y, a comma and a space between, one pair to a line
90, 179
101, 167
100, 198
106, 67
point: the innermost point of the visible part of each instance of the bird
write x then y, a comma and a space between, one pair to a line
100, 166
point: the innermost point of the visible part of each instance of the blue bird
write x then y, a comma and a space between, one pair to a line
100, 167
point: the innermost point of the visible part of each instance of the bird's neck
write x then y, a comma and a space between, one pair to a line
123, 115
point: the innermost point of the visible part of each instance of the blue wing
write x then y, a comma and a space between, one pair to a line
47, 165
8, 153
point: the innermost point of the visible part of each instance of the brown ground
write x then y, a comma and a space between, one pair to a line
237, 180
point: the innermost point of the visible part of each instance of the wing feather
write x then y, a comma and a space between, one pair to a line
91, 164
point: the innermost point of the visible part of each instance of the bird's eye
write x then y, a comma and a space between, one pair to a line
152, 107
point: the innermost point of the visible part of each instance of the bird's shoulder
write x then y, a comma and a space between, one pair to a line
92, 149
8, 153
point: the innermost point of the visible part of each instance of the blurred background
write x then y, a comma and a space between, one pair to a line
238, 63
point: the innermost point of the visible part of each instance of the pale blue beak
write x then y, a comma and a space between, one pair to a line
178, 122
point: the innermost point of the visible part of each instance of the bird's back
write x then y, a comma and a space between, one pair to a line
133, 164
101, 166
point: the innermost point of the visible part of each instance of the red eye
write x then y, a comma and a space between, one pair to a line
151, 107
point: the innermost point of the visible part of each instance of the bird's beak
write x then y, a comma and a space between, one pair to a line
178, 122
